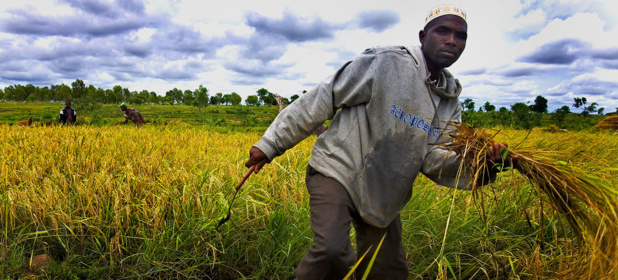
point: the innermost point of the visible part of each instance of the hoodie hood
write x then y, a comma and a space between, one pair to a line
447, 86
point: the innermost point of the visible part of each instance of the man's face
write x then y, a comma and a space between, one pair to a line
443, 41
67, 104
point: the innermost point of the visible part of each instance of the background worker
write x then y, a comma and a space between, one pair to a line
132, 114
389, 109
68, 114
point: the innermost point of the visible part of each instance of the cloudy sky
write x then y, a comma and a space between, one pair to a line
516, 49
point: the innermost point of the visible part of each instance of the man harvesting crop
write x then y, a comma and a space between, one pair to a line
68, 114
132, 114
394, 107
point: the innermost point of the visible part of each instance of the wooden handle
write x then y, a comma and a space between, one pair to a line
244, 178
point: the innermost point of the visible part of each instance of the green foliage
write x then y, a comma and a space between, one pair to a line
294, 97
488, 107
78, 89
252, 100
235, 99
540, 105
201, 96
468, 105
560, 114
266, 98
579, 102
94, 113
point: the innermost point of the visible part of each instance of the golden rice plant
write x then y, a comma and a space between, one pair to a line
610, 122
586, 202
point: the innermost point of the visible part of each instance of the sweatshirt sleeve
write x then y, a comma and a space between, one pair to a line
349, 86
62, 116
441, 165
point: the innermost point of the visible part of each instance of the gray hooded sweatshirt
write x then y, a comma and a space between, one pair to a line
387, 117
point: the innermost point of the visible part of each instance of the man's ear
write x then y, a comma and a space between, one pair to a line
421, 36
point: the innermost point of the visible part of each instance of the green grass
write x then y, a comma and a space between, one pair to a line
216, 117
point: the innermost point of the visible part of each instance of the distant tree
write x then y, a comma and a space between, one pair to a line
1, 95
220, 99
8, 94
118, 93
78, 89
47, 94
30, 89
564, 109
144, 95
64, 92
540, 105
520, 108
19, 93
235, 99
262, 94
153, 98
226, 99
109, 97
580, 103
126, 95
252, 100
216, 99
201, 97
136, 99
169, 96
560, 114
188, 98
600, 111
521, 112
266, 97
294, 97
503, 116
99, 95
32, 97
488, 107
32, 92
591, 108
468, 105
177, 94
168, 99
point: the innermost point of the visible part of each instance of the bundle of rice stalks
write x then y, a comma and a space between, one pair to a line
610, 122
587, 203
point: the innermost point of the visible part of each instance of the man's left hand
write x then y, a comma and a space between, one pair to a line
499, 157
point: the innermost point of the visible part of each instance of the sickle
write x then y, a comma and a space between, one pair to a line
242, 181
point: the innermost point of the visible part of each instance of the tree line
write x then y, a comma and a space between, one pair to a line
79, 91
522, 115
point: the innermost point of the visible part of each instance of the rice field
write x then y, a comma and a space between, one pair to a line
144, 203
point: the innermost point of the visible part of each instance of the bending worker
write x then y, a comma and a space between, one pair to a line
389, 107
132, 114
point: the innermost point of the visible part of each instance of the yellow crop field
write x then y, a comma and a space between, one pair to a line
114, 202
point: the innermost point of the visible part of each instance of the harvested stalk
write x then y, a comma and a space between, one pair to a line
587, 203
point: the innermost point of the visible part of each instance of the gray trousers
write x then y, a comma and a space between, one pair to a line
332, 255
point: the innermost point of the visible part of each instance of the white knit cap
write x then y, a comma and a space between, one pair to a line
444, 9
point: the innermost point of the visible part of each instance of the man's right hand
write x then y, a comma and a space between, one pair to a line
257, 158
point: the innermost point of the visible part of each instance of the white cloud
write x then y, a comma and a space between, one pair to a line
586, 27
185, 43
